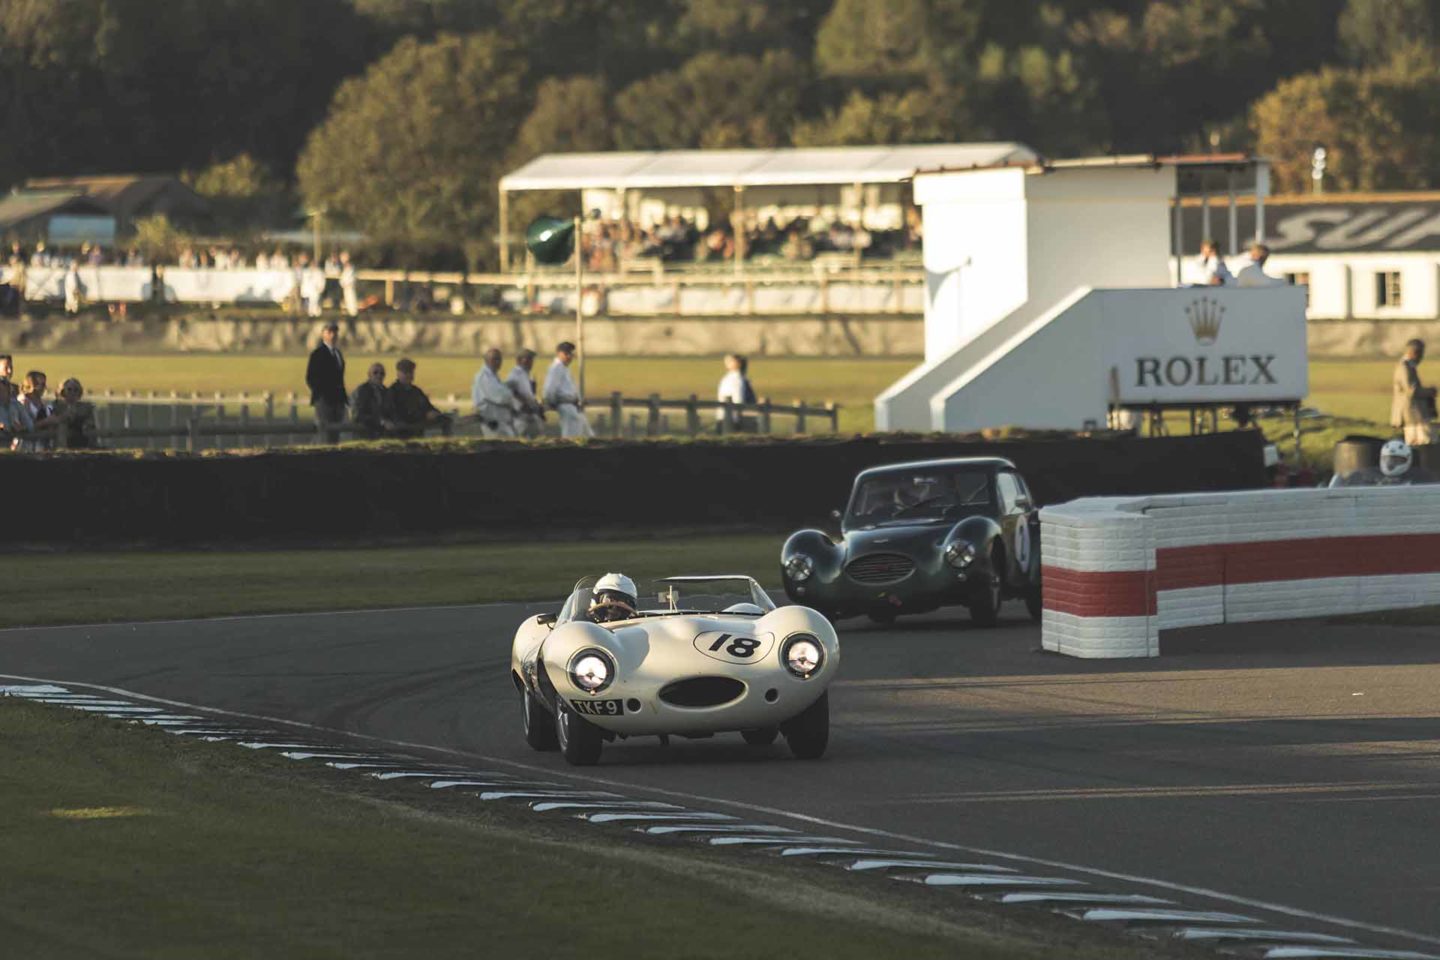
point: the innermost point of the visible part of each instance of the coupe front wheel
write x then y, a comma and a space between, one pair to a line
537, 723
808, 732
985, 607
1033, 603
579, 739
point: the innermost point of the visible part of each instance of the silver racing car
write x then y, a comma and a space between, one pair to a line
695, 657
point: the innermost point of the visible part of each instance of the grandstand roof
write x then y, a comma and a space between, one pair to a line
658, 169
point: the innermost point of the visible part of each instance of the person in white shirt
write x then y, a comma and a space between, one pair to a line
74, 288
1213, 272
732, 388
494, 403
562, 396
530, 418
1253, 274
312, 288
348, 298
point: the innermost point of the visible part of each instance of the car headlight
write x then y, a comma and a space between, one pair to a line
803, 654
799, 567
592, 670
959, 553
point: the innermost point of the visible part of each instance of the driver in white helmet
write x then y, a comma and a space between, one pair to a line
614, 598
1397, 468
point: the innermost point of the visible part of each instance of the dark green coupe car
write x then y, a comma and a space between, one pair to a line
919, 536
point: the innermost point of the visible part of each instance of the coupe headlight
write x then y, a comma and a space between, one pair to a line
803, 654
959, 553
799, 567
592, 670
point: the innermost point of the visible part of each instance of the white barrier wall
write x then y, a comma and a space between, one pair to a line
1118, 570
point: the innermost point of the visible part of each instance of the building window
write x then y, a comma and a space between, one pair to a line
1387, 288
1300, 280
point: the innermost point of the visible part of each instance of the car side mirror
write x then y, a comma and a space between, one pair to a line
547, 619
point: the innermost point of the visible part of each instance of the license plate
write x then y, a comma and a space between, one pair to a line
599, 708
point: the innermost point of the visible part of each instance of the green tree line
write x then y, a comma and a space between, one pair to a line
398, 116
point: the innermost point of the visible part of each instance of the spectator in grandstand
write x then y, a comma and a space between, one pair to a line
1412, 409
797, 246
348, 298
413, 410
325, 376
7, 370
562, 396
1253, 273
1213, 272
371, 406
530, 418
494, 403
75, 417
312, 287
74, 288
40, 412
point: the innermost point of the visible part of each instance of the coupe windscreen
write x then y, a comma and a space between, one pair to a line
919, 495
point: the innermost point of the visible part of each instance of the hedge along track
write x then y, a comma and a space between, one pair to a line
1139, 907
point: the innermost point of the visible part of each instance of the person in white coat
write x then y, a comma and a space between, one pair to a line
312, 287
348, 298
73, 289
562, 396
732, 389
494, 403
530, 416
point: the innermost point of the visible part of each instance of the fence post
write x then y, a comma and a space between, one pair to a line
652, 426
243, 439
192, 438
692, 415
833, 410
617, 425
764, 414
799, 416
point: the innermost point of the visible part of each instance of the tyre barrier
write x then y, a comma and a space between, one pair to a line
1118, 570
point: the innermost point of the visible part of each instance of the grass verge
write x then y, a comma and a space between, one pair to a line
121, 842
100, 587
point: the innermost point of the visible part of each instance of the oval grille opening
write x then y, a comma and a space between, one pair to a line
881, 568
701, 691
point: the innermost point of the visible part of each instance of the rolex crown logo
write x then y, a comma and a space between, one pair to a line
1205, 315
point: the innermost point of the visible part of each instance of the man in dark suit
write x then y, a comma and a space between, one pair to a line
325, 376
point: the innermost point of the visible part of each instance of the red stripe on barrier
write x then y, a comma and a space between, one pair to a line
1132, 593
1318, 558
1111, 593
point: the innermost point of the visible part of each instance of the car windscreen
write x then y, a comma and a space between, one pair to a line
911, 496
733, 595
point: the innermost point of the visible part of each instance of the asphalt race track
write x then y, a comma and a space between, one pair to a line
1295, 764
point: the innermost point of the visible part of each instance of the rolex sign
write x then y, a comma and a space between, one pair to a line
1205, 345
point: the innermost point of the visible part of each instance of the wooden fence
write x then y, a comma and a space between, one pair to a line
156, 421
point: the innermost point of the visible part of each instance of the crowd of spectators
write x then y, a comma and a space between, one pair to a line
31, 423
611, 243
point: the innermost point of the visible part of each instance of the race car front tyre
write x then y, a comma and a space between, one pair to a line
580, 740
985, 603
1033, 602
537, 723
808, 732
762, 737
